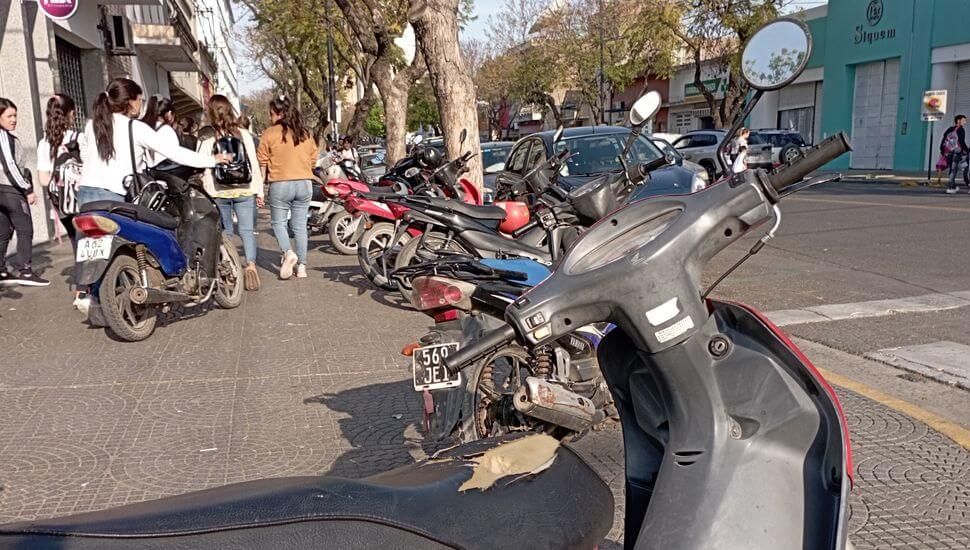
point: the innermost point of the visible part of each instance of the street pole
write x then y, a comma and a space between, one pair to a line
331, 85
929, 162
602, 75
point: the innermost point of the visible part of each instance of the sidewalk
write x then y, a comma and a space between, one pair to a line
306, 378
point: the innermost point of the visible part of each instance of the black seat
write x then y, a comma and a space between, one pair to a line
378, 192
133, 211
471, 210
416, 506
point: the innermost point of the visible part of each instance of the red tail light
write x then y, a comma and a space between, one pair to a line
446, 315
93, 225
439, 292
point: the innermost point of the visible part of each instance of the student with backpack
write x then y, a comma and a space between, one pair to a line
59, 160
236, 187
954, 147
16, 196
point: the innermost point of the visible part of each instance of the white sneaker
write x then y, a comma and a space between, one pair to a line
301, 271
83, 304
951, 191
286, 265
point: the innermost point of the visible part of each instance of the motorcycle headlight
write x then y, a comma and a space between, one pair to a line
699, 181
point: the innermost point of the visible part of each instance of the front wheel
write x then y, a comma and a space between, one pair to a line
341, 233
130, 322
371, 253
229, 274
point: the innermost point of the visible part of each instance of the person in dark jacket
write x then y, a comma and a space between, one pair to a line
953, 146
16, 196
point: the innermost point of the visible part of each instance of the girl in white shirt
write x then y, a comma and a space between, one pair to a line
59, 132
160, 115
107, 158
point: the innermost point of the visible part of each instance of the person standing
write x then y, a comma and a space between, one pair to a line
160, 116
16, 196
113, 134
241, 200
347, 150
287, 154
186, 132
953, 147
246, 124
61, 145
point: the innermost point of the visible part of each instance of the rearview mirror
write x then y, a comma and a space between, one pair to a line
557, 137
417, 139
645, 108
495, 168
776, 54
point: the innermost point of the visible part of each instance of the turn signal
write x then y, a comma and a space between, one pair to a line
95, 226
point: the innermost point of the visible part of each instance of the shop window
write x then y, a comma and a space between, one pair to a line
801, 120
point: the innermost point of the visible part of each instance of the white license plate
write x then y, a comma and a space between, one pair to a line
94, 248
428, 366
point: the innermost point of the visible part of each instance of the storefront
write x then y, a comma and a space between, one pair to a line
688, 110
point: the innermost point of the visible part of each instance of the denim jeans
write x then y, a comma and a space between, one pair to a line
243, 207
954, 168
293, 198
91, 194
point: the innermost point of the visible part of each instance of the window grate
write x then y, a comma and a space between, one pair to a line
72, 81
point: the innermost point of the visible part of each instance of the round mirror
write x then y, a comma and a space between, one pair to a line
776, 54
645, 108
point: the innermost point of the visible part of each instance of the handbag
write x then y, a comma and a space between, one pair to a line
237, 172
136, 182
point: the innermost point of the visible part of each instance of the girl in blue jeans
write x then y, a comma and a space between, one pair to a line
239, 200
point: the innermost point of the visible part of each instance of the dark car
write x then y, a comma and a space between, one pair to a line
595, 151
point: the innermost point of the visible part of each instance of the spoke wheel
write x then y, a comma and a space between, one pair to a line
341, 235
229, 288
371, 250
502, 373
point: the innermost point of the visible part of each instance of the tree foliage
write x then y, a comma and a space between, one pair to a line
374, 124
423, 108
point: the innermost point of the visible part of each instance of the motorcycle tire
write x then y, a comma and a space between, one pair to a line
371, 246
229, 287
477, 420
409, 255
128, 321
341, 238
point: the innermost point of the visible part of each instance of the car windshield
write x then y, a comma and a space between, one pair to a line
495, 155
597, 154
666, 147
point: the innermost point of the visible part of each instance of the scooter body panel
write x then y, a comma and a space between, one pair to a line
161, 243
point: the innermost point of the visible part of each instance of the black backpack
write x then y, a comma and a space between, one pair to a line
236, 173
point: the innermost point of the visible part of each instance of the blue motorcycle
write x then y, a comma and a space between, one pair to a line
164, 249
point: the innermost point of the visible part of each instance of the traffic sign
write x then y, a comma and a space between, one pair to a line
934, 105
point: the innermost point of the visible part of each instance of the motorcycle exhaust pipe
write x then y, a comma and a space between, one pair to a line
555, 404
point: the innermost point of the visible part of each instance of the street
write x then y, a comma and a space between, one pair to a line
306, 377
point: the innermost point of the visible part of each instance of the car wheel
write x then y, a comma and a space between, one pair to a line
789, 153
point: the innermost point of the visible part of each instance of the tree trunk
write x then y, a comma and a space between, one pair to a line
361, 111
395, 98
436, 30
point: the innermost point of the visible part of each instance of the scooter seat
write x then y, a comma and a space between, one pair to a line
379, 192
133, 211
487, 212
415, 506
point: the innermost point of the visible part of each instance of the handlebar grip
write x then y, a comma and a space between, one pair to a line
790, 174
489, 342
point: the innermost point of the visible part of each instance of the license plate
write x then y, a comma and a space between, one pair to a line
96, 248
428, 364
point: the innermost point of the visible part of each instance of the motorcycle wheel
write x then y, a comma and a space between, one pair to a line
130, 322
229, 288
371, 246
490, 389
341, 237
409, 255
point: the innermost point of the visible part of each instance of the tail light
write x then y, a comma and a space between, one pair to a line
94, 225
446, 315
439, 292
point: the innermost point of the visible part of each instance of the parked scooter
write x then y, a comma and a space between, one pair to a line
732, 439
141, 258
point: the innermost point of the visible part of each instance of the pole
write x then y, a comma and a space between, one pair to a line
602, 75
331, 85
929, 161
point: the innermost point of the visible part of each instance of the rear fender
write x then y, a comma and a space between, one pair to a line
90, 272
470, 193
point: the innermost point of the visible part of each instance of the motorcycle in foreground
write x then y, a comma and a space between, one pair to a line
732, 439
165, 249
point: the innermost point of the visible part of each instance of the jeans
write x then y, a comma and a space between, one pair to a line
293, 198
15, 216
91, 194
243, 206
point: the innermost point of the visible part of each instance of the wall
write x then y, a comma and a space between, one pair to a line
82, 28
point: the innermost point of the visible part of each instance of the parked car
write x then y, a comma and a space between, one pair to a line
595, 151
786, 145
494, 155
679, 160
700, 146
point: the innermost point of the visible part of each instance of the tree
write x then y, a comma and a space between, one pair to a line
436, 24
712, 32
374, 123
423, 108
494, 86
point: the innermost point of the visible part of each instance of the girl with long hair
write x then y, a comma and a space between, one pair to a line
242, 201
16, 196
113, 133
160, 116
59, 134
287, 154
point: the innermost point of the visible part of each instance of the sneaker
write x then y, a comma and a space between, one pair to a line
286, 265
251, 277
29, 278
951, 191
301, 271
83, 304
6, 278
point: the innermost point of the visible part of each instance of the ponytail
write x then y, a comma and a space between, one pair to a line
157, 108
60, 109
290, 119
113, 100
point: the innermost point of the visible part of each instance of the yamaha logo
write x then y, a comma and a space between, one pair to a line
874, 12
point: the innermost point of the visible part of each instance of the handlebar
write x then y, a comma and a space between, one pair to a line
491, 341
794, 172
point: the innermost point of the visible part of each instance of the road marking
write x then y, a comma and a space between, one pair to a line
959, 434
947, 362
889, 204
873, 308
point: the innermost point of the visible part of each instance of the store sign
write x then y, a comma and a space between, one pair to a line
58, 9
934, 105
874, 12
714, 85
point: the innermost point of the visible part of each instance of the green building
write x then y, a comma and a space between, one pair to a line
871, 62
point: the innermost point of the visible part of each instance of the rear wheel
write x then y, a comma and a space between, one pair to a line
129, 321
789, 153
414, 253
342, 234
229, 272
371, 253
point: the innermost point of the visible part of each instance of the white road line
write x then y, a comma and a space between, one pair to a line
947, 362
874, 308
